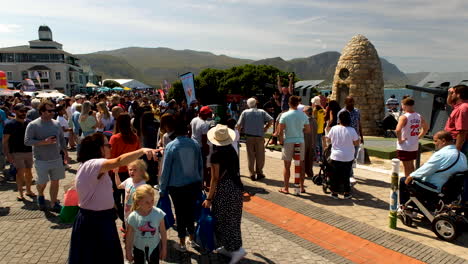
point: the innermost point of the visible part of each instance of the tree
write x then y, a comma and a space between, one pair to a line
212, 85
111, 84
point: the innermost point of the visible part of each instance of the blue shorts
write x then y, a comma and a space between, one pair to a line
50, 170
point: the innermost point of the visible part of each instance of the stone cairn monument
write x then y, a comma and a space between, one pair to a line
359, 74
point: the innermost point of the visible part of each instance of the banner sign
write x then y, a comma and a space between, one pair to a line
3, 80
188, 83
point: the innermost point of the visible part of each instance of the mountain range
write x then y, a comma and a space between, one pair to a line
153, 65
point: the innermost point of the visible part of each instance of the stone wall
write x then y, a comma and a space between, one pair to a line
359, 74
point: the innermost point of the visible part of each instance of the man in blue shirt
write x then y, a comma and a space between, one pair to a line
295, 123
434, 172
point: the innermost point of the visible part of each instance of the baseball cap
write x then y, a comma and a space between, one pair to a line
205, 110
78, 96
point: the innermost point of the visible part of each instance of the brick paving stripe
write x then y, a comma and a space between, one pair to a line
329, 237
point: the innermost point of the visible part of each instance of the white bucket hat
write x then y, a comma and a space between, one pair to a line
221, 135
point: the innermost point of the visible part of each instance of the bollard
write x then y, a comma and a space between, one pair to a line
297, 168
394, 193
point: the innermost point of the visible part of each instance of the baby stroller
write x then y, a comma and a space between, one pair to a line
445, 210
326, 170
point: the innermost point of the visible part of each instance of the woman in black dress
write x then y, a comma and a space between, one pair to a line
225, 196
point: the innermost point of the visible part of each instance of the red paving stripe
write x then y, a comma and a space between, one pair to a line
340, 242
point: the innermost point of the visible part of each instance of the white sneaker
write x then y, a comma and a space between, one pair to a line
237, 255
223, 251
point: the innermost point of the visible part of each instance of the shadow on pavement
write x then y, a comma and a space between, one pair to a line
371, 182
7, 186
359, 198
423, 223
4, 211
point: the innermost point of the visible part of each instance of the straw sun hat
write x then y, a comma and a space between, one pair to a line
221, 135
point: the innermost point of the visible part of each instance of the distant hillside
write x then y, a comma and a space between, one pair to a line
156, 64
152, 65
322, 66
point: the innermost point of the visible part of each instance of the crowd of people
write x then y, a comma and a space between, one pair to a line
132, 145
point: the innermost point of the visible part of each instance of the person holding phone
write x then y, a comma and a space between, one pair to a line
45, 135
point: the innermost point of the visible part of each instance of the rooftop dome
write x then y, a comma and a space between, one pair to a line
45, 33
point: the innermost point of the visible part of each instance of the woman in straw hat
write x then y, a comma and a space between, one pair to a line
225, 195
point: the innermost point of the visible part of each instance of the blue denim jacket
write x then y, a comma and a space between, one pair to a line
182, 164
76, 124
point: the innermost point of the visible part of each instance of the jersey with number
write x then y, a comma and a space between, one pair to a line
410, 132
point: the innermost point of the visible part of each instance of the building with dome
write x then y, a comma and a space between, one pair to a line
45, 63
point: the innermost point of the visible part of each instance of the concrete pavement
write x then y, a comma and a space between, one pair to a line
31, 236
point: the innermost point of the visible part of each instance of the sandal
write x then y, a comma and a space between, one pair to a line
283, 191
19, 199
32, 195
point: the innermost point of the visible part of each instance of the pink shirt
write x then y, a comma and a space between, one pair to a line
458, 119
93, 193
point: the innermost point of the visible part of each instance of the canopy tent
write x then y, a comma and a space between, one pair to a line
127, 88
132, 83
104, 89
8, 92
91, 85
50, 95
117, 89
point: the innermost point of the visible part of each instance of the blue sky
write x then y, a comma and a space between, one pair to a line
416, 35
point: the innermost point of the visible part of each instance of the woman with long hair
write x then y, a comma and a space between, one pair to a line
331, 118
149, 134
94, 237
87, 119
181, 178
105, 121
123, 141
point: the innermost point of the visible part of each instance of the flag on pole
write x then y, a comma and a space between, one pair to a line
189, 86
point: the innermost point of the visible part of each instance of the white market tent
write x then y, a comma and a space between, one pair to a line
91, 85
51, 94
130, 83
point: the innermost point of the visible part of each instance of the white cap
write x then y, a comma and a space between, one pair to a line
315, 100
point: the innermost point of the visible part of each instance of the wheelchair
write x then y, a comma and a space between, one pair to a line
445, 210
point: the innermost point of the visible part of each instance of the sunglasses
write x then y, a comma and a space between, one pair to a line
50, 110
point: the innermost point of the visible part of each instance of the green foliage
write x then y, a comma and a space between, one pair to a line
111, 84
248, 80
176, 92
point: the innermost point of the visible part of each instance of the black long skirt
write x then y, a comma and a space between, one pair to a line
95, 238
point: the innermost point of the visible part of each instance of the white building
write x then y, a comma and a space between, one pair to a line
45, 62
130, 83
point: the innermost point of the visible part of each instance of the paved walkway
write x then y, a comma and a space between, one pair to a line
276, 228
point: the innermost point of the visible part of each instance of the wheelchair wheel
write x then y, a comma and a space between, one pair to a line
445, 227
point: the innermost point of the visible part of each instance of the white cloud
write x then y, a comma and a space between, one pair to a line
10, 28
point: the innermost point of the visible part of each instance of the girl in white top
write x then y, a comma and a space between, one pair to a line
138, 177
410, 128
104, 118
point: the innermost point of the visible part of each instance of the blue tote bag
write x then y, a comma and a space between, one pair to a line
164, 203
204, 233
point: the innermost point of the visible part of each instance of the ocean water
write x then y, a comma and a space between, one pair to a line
398, 92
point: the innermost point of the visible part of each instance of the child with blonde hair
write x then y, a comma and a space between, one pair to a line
146, 237
138, 177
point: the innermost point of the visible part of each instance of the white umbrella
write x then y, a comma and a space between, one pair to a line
50, 95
